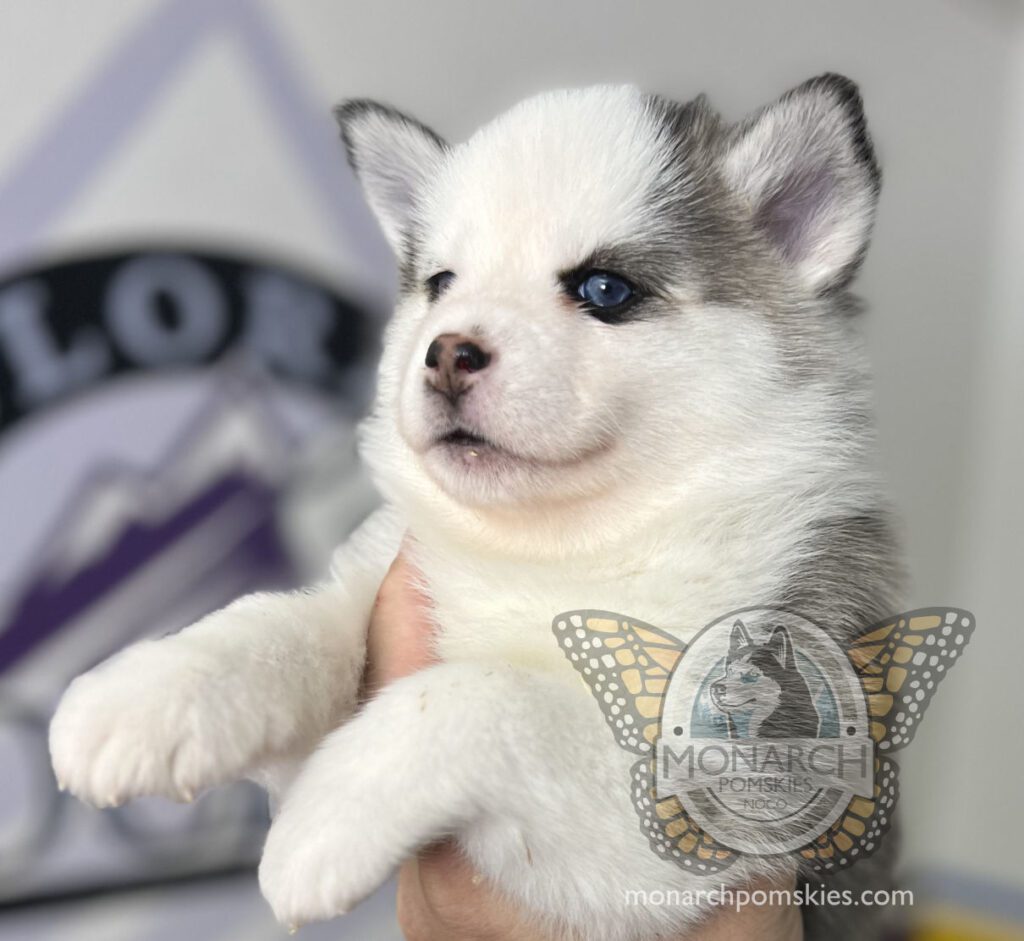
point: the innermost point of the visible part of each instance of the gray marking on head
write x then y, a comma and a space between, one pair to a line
698, 226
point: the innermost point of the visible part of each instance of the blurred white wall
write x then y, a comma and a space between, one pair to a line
975, 756
943, 83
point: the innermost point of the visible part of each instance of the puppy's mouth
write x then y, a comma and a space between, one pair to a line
472, 451
470, 448
461, 438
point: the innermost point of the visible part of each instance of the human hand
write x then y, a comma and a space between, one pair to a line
440, 897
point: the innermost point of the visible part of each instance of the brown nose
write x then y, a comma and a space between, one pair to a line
451, 361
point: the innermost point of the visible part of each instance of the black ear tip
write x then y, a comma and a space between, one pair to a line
352, 109
350, 112
347, 113
842, 90
341, 111
841, 85
846, 94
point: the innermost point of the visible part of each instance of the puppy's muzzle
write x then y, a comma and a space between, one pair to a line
453, 363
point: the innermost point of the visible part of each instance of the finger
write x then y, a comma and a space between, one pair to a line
414, 918
404, 589
401, 630
440, 896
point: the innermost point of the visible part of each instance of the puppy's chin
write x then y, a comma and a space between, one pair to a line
479, 473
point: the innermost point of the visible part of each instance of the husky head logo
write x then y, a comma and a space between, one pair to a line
763, 685
178, 475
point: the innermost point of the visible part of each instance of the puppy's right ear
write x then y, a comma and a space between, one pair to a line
393, 156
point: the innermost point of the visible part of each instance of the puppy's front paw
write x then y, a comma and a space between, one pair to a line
326, 851
154, 720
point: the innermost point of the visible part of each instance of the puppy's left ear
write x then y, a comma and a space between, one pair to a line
394, 157
806, 169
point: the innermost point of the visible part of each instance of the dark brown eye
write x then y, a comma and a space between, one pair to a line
438, 283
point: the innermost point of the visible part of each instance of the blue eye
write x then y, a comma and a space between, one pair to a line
604, 290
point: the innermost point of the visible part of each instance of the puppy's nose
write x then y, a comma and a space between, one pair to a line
450, 351
452, 361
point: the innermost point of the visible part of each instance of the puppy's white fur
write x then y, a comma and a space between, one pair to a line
670, 468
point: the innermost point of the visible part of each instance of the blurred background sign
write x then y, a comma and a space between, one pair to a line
176, 422
176, 430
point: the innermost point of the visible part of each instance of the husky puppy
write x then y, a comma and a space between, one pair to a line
622, 374
763, 685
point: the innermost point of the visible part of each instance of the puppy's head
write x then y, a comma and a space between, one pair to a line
602, 291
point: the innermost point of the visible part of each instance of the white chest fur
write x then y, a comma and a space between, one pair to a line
491, 609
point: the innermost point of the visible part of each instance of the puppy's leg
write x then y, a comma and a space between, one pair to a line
522, 760
249, 686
